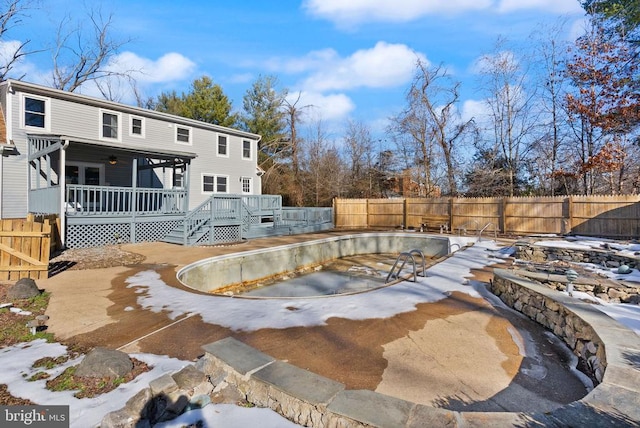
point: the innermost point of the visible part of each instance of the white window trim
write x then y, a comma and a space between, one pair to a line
190, 142
47, 112
202, 176
131, 133
250, 192
217, 147
215, 183
119, 116
250, 158
228, 184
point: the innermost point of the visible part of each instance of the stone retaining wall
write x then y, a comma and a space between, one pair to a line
575, 332
232, 371
604, 257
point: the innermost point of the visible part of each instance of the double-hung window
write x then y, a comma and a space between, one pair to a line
208, 183
246, 149
110, 125
183, 135
137, 126
223, 147
212, 183
35, 112
222, 183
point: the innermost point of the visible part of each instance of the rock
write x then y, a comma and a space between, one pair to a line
141, 404
103, 362
165, 384
624, 269
634, 300
617, 294
24, 288
189, 377
118, 419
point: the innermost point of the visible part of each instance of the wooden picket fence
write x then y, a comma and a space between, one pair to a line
25, 248
616, 216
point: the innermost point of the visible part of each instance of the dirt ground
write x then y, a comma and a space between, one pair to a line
459, 353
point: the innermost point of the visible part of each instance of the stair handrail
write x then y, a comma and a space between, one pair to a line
187, 221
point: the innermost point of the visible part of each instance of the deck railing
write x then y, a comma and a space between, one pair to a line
261, 203
306, 216
123, 201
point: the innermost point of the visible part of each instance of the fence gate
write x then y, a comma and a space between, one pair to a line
24, 249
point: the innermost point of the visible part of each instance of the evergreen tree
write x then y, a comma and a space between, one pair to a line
206, 102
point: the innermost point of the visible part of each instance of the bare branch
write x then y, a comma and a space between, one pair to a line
78, 59
12, 15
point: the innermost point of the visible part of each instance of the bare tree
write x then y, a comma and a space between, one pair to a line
511, 117
11, 14
324, 169
79, 58
551, 149
359, 152
293, 114
431, 124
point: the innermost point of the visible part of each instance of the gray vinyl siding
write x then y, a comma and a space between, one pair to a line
15, 190
81, 117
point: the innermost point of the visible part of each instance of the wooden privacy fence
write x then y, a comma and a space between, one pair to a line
616, 216
25, 247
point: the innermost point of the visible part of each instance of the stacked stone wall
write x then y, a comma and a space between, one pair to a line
573, 330
605, 257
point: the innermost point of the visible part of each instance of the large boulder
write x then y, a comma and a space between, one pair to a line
103, 362
24, 288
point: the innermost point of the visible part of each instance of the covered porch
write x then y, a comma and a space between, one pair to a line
105, 192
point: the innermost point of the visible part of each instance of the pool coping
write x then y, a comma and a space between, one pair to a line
216, 274
284, 388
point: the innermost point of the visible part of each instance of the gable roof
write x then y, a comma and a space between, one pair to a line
9, 85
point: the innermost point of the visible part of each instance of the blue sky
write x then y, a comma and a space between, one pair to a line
350, 59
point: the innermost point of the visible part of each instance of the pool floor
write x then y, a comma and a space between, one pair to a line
346, 275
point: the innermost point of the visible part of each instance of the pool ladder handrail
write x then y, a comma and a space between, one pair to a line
465, 226
495, 231
404, 256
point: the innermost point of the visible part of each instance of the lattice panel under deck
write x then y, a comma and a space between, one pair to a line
154, 231
96, 235
224, 234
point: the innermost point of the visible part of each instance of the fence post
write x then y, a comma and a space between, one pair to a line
570, 212
404, 214
503, 217
367, 214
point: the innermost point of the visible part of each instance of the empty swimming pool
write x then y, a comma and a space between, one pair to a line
247, 272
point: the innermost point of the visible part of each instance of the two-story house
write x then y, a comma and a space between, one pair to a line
114, 172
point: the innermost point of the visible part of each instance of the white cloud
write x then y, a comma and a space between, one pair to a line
384, 65
349, 12
169, 67
474, 109
328, 107
550, 6
22, 66
311, 61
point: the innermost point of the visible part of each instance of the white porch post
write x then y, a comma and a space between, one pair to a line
187, 184
63, 185
134, 202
